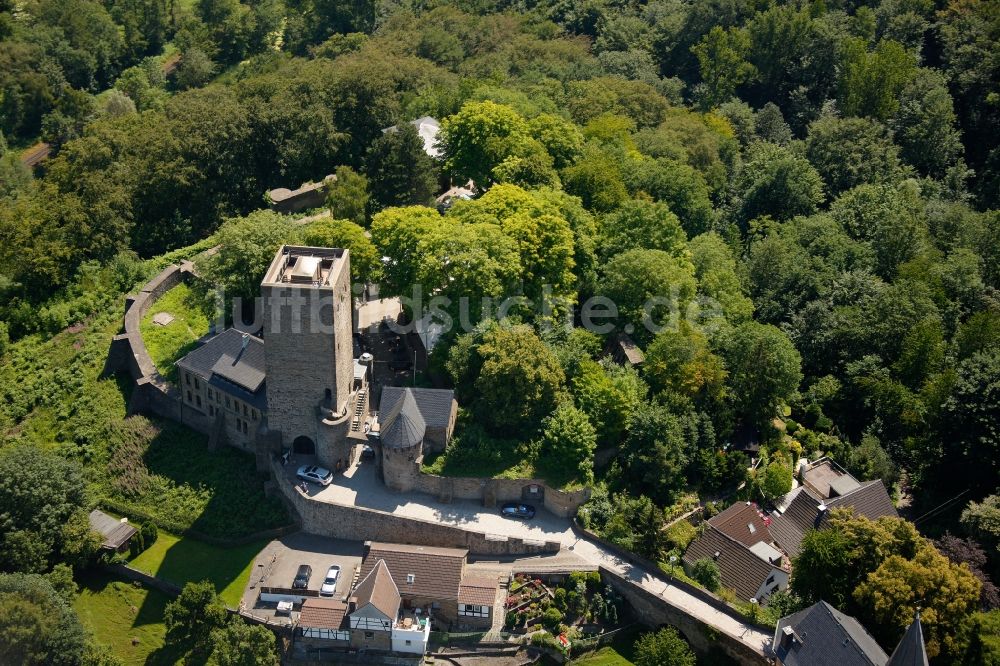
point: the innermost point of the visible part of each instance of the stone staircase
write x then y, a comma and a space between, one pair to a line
360, 405
499, 614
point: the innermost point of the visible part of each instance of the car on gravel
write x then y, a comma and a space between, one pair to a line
329, 586
518, 510
314, 474
302, 576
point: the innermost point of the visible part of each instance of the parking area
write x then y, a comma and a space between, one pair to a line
276, 566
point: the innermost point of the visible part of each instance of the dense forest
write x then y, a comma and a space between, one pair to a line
815, 184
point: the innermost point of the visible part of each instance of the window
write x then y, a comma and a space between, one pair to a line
752, 528
198, 398
245, 410
211, 410
408, 643
410, 578
244, 427
435, 605
769, 580
227, 402
369, 634
472, 610
187, 378
209, 394
253, 414
196, 384
189, 396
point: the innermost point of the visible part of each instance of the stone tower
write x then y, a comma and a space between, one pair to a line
308, 324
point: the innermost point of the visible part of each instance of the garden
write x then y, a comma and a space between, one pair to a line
555, 614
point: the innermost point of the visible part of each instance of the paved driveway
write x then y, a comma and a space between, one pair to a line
359, 486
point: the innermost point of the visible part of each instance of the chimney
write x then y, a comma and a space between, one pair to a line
787, 636
246, 341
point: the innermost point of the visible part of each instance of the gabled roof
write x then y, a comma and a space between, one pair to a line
911, 650
744, 523
823, 636
477, 591
114, 533
434, 404
740, 569
378, 590
320, 613
802, 513
224, 356
436, 572
402, 426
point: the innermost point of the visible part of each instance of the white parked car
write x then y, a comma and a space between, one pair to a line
314, 474
329, 587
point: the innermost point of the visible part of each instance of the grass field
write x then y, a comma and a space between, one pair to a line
619, 652
182, 560
118, 613
168, 343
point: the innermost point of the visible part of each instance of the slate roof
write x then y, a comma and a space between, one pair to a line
823, 636
437, 572
740, 569
802, 514
112, 530
378, 589
224, 363
434, 404
402, 426
320, 613
477, 591
744, 523
911, 650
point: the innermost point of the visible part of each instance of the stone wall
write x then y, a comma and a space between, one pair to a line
497, 491
153, 394
654, 611
358, 523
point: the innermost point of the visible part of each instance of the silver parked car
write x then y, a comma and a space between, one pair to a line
329, 586
314, 474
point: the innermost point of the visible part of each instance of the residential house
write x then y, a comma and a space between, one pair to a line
823, 636
739, 541
824, 486
374, 605
434, 580
322, 624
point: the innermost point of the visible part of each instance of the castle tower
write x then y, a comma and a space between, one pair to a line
308, 324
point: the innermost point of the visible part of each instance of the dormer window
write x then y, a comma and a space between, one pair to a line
752, 528
410, 578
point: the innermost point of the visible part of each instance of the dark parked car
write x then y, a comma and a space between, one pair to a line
516, 510
367, 453
302, 577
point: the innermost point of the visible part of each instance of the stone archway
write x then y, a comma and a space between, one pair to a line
304, 446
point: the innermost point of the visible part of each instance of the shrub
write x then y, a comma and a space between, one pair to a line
706, 572
149, 533
551, 619
560, 598
681, 534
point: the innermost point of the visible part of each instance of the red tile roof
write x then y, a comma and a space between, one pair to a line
477, 591
318, 613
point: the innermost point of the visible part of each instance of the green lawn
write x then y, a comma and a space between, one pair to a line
166, 344
118, 613
184, 559
619, 652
